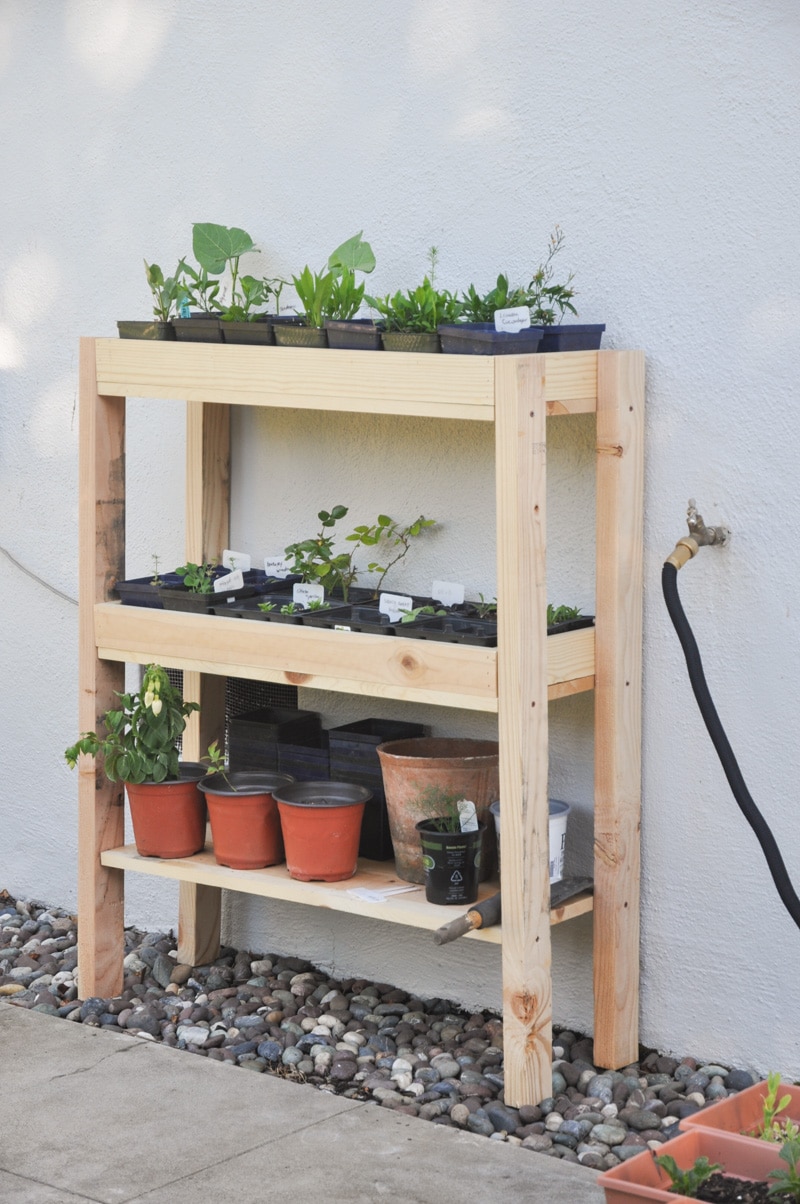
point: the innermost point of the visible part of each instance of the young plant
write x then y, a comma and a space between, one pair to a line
141, 737
199, 578
561, 614
786, 1185
315, 560
318, 604
687, 1182
167, 291
548, 301
421, 309
201, 290
485, 609
770, 1128
217, 248
266, 606
333, 293
410, 615
477, 308
396, 540
156, 578
291, 608
440, 807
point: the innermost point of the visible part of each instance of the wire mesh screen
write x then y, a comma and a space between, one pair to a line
242, 695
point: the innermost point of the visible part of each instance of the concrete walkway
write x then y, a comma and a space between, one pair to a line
87, 1115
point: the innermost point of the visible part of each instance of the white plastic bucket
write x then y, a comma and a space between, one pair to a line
559, 813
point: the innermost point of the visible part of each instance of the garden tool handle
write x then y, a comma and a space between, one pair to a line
482, 915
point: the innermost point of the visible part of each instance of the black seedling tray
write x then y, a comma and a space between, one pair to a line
452, 630
481, 338
571, 625
374, 732
365, 619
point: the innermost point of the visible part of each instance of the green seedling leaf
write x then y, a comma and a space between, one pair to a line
354, 255
215, 245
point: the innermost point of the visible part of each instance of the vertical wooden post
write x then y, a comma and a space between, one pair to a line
207, 525
101, 563
618, 691
521, 453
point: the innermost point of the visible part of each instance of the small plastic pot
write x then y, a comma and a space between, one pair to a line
321, 824
198, 328
146, 330
245, 825
451, 861
169, 818
297, 334
358, 334
411, 340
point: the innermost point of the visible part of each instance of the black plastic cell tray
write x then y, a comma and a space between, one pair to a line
375, 732
571, 625
364, 619
481, 632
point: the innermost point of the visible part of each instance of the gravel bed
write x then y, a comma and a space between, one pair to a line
364, 1040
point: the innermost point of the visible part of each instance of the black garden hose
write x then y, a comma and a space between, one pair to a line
669, 582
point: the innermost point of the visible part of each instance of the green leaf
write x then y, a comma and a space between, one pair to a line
354, 255
215, 245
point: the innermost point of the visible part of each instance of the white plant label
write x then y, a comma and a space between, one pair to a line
341, 627
449, 593
394, 606
276, 566
509, 321
229, 582
307, 591
468, 816
236, 560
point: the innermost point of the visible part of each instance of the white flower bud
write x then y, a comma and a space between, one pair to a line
157, 705
148, 698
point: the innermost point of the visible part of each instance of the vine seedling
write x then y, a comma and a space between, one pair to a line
687, 1182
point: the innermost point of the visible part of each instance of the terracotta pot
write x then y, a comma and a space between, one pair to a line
169, 818
468, 768
245, 825
321, 824
640, 1179
740, 1114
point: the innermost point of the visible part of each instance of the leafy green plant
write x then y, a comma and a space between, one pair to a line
266, 606
410, 615
202, 290
141, 736
314, 559
440, 807
770, 1128
291, 608
421, 309
687, 1182
318, 604
199, 578
786, 1183
333, 293
396, 539
561, 614
217, 249
547, 300
167, 290
481, 308
484, 608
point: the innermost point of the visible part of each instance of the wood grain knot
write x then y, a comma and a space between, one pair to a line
297, 679
529, 1010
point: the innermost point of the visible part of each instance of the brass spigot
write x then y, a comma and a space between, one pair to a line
699, 536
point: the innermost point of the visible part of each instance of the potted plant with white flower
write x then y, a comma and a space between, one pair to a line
140, 748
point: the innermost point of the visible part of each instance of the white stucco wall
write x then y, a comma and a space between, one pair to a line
663, 139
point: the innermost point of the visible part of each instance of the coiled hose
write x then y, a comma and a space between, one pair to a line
669, 583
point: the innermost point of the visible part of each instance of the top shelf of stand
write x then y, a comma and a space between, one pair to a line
363, 382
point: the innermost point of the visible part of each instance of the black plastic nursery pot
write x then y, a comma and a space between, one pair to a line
357, 334
140, 591
145, 330
481, 338
297, 334
451, 861
259, 331
574, 337
418, 341
198, 328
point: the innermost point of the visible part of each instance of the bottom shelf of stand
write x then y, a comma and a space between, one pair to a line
410, 908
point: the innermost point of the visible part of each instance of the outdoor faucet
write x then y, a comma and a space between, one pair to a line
699, 536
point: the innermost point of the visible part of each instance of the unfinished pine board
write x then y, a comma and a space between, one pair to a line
274, 883
618, 695
521, 455
102, 559
441, 386
377, 665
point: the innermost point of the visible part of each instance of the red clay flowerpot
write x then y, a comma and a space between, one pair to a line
169, 818
740, 1114
245, 825
321, 824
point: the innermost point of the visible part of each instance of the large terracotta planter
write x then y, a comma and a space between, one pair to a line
468, 768
321, 824
245, 825
640, 1179
169, 818
740, 1114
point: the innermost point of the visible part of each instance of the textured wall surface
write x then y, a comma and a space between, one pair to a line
663, 139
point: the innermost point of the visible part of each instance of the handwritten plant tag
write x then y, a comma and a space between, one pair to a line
236, 560
229, 582
510, 321
307, 591
468, 816
276, 566
449, 593
394, 606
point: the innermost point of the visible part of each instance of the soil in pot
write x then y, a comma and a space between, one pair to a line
245, 825
467, 768
743, 1112
420, 341
169, 818
146, 330
451, 861
359, 334
321, 824
297, 334
481, 338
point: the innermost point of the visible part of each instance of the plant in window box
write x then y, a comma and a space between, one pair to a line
168, 292
223, 315
566, 618
475, 332
329, 295
345, 330
549, 301
412, 319
140, 748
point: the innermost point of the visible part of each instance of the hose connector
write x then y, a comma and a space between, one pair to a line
700, 536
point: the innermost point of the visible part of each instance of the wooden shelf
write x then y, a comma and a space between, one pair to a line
380, 666
410, 908
516, 680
